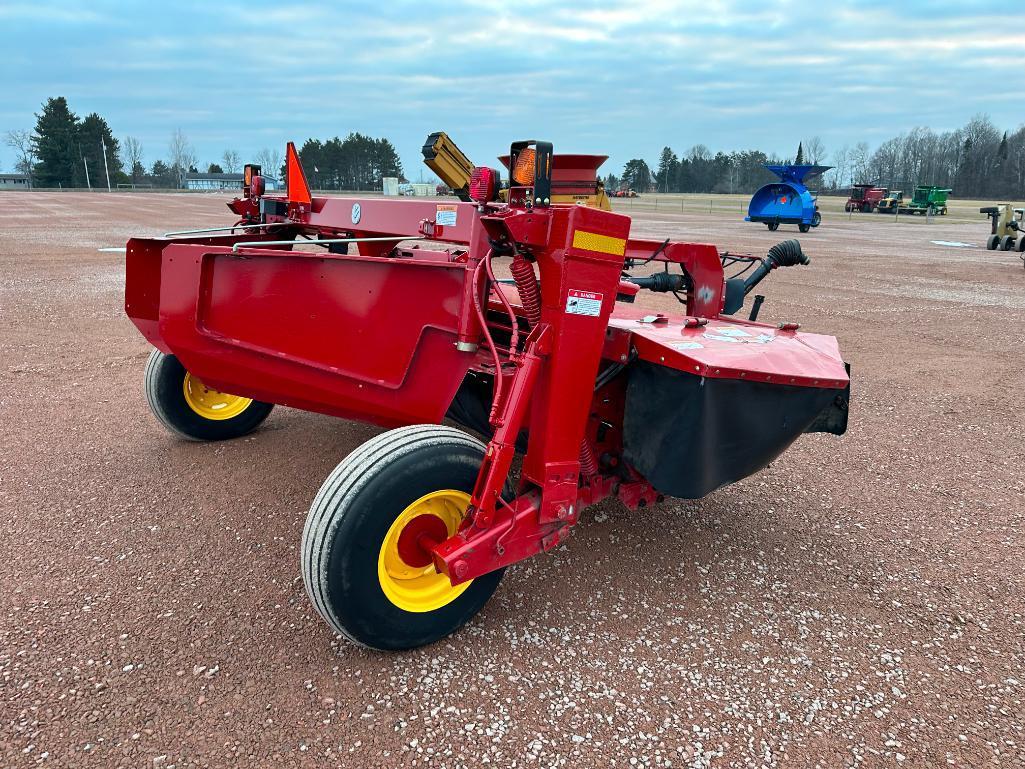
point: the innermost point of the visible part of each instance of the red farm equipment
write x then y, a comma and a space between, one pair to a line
865, 198
393, 312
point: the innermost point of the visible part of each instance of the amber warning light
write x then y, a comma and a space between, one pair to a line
523, 170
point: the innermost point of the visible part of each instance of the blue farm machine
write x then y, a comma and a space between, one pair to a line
787, 201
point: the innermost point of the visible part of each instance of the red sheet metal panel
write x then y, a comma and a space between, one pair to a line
736, 349
346, 335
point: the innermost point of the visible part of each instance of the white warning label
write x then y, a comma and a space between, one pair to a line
446, 216
583, 303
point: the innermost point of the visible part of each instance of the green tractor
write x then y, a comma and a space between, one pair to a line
927, 200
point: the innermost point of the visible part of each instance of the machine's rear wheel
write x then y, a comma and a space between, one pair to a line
773, 226
1007, 243
366, 558
187, 407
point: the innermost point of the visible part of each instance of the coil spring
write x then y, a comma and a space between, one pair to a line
588, 461
526, 285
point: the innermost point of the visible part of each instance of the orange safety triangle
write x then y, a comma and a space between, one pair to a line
296, 188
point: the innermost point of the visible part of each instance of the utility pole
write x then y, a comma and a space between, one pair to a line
103, 147
86, 164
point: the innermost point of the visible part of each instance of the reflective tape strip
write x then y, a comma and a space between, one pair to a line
603, 244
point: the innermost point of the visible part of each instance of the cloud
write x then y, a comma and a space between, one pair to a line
603, 76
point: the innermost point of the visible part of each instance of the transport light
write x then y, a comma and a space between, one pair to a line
483, 184
523, 170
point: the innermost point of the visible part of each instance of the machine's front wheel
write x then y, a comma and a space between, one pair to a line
366, 558
187, 407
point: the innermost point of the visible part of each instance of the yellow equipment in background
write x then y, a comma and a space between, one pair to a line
1007, 223
442, 156
574, 177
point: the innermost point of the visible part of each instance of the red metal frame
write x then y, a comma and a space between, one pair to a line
388, 334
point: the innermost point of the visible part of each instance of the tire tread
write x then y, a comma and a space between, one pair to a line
341, 486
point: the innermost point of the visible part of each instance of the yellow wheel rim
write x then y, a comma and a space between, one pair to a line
210, 403
417, 586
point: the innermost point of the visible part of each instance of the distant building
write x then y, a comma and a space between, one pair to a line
223, 182
213, 181
15, 182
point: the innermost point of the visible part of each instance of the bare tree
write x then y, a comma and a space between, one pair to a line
859, 162
20, 141
182, 155
132, 149
841, 163
231, 161
814, 150
270, 162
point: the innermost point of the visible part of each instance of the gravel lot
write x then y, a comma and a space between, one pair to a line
859, 603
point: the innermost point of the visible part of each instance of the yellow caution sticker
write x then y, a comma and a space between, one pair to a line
603, 244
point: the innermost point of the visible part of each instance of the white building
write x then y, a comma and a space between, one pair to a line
15, 182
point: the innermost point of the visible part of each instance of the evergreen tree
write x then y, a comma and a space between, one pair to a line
357, 162
163, 175
55, 143
95, 136
637, 175
666, 176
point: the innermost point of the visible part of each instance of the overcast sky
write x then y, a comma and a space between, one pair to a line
611, 77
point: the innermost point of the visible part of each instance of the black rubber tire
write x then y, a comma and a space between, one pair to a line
350, 517
1007, 243
816, 219
773, 226
804, 227
993, 242
164, 380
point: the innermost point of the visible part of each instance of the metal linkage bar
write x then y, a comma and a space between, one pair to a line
325, 241
230, 229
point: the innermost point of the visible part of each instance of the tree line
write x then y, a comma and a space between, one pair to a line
66, 151
976, 161
356, 162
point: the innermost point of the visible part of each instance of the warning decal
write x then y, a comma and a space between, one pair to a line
583, 303
446, 215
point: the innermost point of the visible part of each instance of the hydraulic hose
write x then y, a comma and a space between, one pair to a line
785, 254
660, 281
